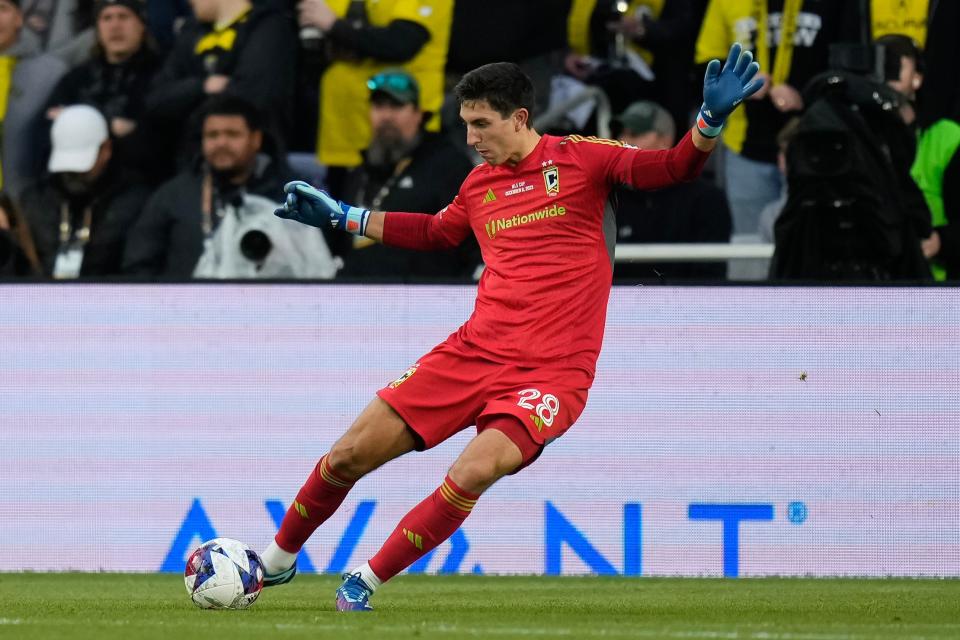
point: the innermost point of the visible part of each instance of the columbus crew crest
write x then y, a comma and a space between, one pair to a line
551, 179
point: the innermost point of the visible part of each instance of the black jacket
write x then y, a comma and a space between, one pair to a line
117, 202
425, 184
261, 65
690, 212
167, 240
119, 91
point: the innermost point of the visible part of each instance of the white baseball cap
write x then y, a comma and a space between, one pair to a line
76, 136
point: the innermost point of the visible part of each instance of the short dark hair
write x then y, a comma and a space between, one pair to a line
228, 105
503, 85
897, 46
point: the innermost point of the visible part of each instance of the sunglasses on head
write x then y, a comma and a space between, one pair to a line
394, 81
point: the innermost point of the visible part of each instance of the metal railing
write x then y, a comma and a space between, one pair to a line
691, 252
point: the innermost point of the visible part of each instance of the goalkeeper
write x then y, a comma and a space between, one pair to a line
521, 367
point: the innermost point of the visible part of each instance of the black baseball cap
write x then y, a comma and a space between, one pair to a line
396, 84
139, 7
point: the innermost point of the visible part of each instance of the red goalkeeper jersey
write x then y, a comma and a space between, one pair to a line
547, 233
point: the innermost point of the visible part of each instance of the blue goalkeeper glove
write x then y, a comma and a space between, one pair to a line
724, 89
317, 209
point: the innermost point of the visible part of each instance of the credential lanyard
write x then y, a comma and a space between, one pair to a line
361, 242
72, 243
82, 236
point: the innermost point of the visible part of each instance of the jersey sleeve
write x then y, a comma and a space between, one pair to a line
425, 232
615, 163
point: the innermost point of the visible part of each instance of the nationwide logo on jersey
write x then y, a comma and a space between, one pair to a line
406, 376
499, 224
551, 180
490, 197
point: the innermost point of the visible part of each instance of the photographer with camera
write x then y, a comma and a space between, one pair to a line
852, 211
182, 221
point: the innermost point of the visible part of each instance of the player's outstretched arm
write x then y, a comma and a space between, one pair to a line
723, 89
316, 208
406, 230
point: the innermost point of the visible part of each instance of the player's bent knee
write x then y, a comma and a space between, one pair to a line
475, 476
376, 437
347, 461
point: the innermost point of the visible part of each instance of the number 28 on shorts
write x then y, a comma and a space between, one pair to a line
544, 411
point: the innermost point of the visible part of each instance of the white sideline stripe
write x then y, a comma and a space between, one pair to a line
426, 629
605, 633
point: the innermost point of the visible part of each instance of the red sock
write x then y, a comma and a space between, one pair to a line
424, 528
319, 497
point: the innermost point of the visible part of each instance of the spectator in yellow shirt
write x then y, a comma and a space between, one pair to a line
365, 37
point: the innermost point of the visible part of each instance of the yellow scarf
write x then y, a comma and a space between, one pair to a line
7, 65
222, 38
788, 29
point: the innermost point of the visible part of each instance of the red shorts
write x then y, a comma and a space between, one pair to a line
450, 389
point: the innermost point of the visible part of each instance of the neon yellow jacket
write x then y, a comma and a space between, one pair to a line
752, 130
907, 17
344, 98
938, 146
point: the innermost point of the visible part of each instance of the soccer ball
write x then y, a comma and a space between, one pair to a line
223, 574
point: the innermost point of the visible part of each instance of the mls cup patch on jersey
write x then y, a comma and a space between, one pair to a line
551, 180
518, 187
406, 375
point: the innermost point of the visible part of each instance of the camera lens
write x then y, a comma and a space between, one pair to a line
255, 246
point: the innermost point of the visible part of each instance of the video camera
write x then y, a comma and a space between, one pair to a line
867, 60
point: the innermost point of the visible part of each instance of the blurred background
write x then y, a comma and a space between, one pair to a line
148, 139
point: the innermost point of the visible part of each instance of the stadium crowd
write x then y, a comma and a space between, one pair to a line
150, 139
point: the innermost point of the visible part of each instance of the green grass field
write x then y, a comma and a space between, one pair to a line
128, 606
